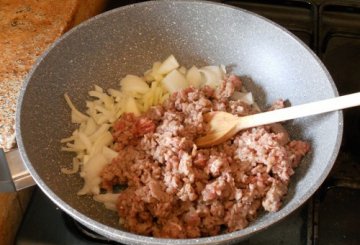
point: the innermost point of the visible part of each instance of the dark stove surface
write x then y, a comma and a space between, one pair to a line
331, 28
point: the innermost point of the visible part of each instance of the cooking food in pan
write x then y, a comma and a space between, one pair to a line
142, 137
126, 41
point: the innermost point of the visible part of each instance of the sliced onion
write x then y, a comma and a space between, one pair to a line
134, 84
104, 98
75, 167
182, 70
68, 139
86, 141
213, 75
116, 94
244, 97
108, 153
98, 88
153, 74
174, 81
168, 65
108, 199
91, 173
193, 76
76, 116
102, 129
132, 107
90, 127
104, 140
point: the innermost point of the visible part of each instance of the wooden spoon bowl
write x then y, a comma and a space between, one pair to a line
224, 125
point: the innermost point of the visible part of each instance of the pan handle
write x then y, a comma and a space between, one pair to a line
13, 174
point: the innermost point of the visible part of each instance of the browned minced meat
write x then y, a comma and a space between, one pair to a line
175, 189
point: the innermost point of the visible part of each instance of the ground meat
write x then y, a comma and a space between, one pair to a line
176, 190
129, 127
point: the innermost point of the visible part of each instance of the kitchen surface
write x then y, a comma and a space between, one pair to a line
330, 28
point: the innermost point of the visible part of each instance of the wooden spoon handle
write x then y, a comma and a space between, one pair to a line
298, 111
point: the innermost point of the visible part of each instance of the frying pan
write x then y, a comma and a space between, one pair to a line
127, 41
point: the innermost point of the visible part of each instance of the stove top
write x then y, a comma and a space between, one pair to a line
332, 30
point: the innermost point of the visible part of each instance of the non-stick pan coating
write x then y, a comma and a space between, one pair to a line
128, 40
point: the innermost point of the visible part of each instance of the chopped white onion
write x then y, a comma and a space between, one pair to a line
86, 141
168, 65
101, 130
132, 107
104, 140
182, 70
98, 88
104, 98
108, 199
174, 81
91, 174
109, 153
213, 75
76, 116
134, 84
244, 97
193, 76
75, 168
90, 127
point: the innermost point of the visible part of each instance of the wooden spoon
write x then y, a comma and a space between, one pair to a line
224, 125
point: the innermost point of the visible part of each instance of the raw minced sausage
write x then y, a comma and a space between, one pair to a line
176, 190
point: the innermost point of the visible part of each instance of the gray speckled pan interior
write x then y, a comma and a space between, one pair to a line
129, 40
